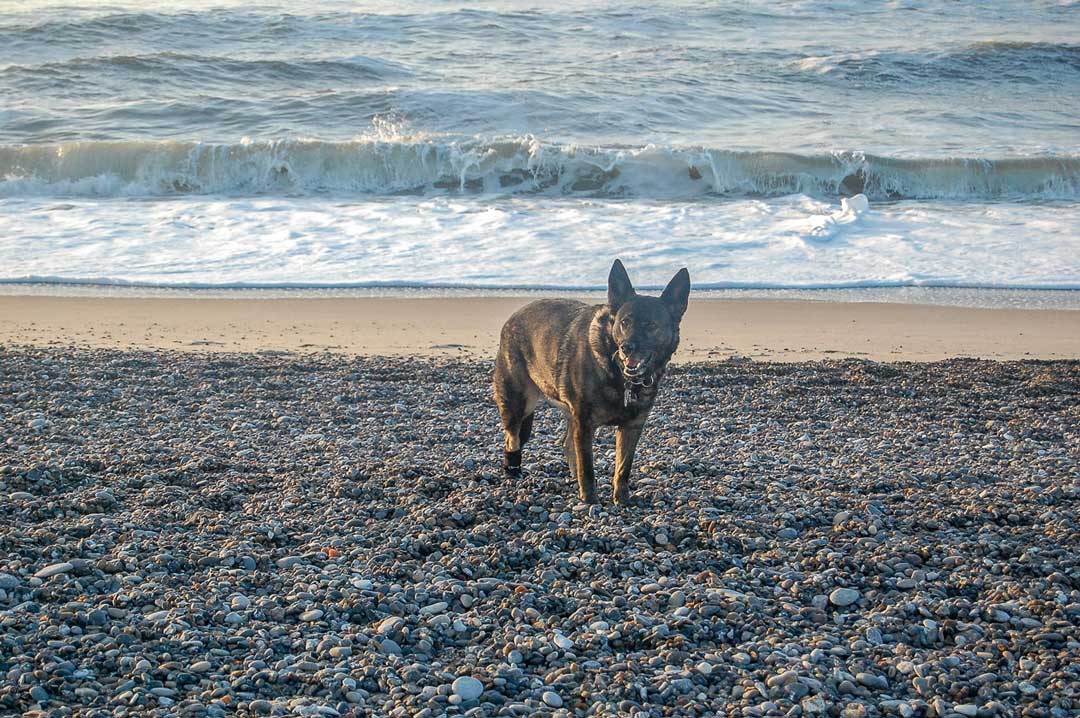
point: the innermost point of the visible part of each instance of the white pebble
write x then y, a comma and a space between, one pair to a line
467, 688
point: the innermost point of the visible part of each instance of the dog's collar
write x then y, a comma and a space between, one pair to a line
631, 382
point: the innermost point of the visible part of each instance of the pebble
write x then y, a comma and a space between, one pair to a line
54, 570
194, 578
433, 608
467, 688
871, 681
843, 597
389, 625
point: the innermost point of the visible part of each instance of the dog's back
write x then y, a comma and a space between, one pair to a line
531, 341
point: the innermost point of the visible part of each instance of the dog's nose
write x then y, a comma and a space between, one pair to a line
629, 347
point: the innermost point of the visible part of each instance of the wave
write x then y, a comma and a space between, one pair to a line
996, 61
390, 164
163, 66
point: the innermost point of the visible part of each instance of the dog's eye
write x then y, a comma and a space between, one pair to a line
625, 322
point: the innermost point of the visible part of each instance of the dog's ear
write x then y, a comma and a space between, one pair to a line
677, 293
619, 288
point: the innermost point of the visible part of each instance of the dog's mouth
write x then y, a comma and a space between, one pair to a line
635, 367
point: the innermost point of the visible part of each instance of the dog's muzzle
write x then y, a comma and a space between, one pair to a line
636, 375
633, 367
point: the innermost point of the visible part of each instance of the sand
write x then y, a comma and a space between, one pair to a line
762, 329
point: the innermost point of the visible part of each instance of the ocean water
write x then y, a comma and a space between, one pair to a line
822, 144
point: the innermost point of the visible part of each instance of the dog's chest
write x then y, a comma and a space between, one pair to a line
623, 405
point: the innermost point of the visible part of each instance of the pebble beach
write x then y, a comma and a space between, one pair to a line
323, 535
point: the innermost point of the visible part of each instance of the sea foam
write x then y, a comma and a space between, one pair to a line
381, 165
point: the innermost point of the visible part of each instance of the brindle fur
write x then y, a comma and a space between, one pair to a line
576, 356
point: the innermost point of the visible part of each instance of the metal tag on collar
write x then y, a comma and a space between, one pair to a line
628, 396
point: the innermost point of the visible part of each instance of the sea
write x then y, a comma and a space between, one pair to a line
805, 146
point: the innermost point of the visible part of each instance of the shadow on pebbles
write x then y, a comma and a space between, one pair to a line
242, 535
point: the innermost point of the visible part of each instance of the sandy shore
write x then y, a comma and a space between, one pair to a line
764, 329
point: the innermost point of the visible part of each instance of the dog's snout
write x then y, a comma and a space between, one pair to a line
628, 347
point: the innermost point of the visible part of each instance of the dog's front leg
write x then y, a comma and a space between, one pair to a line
626, 441
583, 435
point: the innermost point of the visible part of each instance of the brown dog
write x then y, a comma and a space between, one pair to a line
600, 364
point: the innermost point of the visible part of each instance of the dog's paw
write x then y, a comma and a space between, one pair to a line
625, 500
512, 464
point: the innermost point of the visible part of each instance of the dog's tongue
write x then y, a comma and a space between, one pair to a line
632, 363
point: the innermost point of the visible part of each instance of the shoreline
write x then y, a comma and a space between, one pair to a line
975, 297
783, 330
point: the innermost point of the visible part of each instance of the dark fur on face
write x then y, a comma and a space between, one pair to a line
601, 364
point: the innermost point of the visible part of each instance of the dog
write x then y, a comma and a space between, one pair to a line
601, 364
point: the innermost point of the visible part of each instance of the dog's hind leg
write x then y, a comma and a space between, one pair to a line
568, 445
525, 433
516, 406
583, 436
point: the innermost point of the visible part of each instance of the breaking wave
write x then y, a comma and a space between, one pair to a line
519, 165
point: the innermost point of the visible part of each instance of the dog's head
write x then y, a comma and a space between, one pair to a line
645, 330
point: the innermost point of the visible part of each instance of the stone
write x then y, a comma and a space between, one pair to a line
782, 679
311, 616
562, 642
200, 667
54, 570
871, 681
467, 688
843, 597
433, 608
389, 625
552, 699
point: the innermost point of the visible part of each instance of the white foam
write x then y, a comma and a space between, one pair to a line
540, 241
387, 161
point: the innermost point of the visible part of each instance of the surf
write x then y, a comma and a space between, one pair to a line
375, 165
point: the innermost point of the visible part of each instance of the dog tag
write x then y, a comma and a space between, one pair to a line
628, 397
